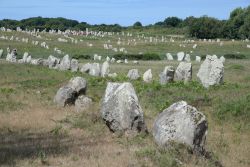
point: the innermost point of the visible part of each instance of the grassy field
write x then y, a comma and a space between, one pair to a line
34, 132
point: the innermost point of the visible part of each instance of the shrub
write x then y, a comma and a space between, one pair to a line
81, 57
235, 56
146, 56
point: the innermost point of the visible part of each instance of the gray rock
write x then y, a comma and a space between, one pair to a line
121, 110
1, 53
180, 56
187, 58
28, 60
37, 62
25, 56
133, 74
183, 72
11, 57
74, 65
113, 75
167, 75
53, 61
105, 69
65, 96
222, 59
211, 72
183, 124
78, 84
169, 57
95, 69
148, 76
197, 58
85, 68
83, 103
65, 63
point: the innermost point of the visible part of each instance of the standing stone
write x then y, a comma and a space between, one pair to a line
74, 65
187, 58
197, 58
105, 69
28, 60
65, 96
167, 75
133, 74
222, 59
148, 76
121, 110
65, 63
11, 57
25, 56
95, 69
78, 84
85, 68
53, 61
211, 72
183, 124
1, 53
180, 56
183, 72
169, 57
83, 103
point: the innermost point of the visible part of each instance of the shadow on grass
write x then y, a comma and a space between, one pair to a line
15, 146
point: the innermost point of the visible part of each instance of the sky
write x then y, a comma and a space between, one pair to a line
123, 12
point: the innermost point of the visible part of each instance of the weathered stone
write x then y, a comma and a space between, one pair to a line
1, 53
83, 103
65, 96
133, 74
187, 58
180, 56
120, 108
222, 59
183, 72
28, 60
169, 57
74, 65
85, 68
37, 62
25, 56
105, 69
78, 84
197, 58
11, 57
211, 72
148, 76
183, 124
65, 63
113, 75
53, 61
167, 75
95, 69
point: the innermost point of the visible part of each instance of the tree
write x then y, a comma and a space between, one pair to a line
137, 24
172, 21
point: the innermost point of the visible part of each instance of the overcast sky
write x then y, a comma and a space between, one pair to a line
123, 12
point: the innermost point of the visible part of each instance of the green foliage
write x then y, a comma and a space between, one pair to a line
235, 109
146, 56
38, 83
137, 24
77, 56
237, 67
235, 56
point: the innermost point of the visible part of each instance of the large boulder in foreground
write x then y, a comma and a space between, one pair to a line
211, 71
121, 110
78, 84
65, 96
183, 72
181, 124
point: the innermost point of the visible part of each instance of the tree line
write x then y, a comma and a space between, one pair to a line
236, 27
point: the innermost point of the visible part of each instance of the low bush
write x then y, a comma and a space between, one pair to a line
235, 56
146, 56
81, 57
